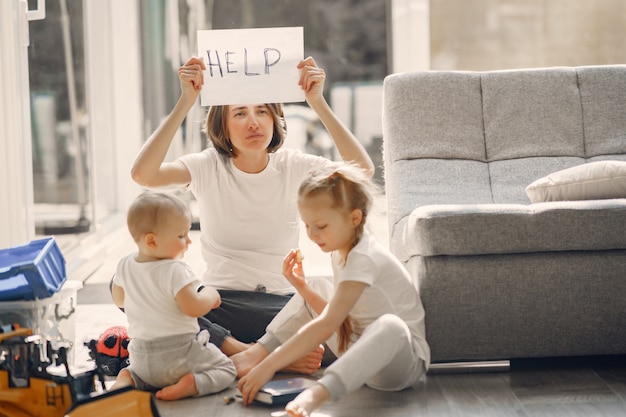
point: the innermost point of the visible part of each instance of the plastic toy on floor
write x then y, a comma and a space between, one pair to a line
35, 380
111, 347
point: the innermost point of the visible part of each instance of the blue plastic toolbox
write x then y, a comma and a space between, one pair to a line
31, 271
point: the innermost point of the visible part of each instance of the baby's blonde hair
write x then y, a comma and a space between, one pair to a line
348, 188
150, 209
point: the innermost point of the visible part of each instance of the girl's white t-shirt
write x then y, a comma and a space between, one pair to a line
389, 290
248, 221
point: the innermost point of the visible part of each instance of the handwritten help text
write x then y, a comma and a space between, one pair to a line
229, 62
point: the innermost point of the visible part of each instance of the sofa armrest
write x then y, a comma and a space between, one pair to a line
479, 229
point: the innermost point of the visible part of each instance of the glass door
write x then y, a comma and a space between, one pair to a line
59, 120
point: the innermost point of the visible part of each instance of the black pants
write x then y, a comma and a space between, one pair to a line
243, 315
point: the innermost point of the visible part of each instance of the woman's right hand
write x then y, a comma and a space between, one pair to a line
191, 77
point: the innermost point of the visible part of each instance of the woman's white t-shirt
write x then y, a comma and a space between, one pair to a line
248, 221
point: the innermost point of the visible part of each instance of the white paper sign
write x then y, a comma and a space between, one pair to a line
248, 66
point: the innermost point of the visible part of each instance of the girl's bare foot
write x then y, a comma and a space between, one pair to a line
308, 401
246, 360
123, 380
185, 387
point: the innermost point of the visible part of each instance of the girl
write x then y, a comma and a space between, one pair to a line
375, 316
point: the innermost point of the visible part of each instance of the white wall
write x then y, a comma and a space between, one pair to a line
114, 98
410, 34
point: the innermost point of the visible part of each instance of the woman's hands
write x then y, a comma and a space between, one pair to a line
191, 77
312, 80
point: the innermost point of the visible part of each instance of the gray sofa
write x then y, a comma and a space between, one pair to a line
502, 277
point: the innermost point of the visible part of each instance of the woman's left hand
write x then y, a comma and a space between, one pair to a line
250, 384
312, 79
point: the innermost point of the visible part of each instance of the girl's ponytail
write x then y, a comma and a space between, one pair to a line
344, 335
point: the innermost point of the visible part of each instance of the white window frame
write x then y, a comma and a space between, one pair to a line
16, 169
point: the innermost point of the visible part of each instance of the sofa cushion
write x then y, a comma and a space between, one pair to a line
482, 229
530, 113
416, 107
509, 177
595, 180
603, 101
421, 182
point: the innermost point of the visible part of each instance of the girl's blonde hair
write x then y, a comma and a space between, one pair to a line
349, 188
215, 129
150, 209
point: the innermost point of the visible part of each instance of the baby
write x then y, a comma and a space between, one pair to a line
162, 299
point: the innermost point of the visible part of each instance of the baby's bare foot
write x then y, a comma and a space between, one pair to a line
123, 380
308, 401
185, 387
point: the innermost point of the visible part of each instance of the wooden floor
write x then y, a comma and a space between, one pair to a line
571, 387
543, 388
